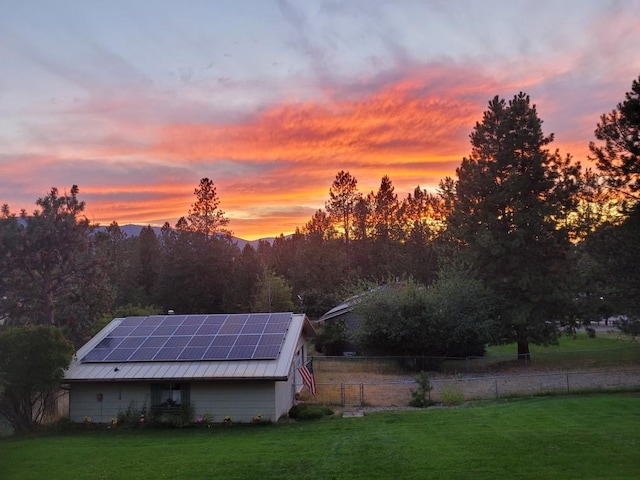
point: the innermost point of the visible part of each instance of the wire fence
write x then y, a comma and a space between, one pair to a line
390, 381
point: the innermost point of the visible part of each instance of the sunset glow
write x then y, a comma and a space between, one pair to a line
136, 106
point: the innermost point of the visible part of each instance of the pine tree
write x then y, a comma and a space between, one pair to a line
508, 201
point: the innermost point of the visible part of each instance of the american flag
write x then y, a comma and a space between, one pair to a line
306, 371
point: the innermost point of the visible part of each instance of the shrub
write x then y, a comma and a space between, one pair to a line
421, 397
309, 412
131, 416
179, 416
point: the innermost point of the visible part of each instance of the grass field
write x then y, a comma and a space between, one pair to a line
581, 437
607, 349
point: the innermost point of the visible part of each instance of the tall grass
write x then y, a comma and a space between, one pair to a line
585, 437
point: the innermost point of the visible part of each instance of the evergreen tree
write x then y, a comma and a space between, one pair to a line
614, 244
319, 227
343, 196
507, 203
149, 257
32, 363
50, 272
385, 211
619, 157
205, 215
273, 294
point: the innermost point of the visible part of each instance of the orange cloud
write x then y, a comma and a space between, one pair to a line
396, 123
291, 152
273, 170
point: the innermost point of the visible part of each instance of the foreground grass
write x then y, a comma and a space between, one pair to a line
582, 437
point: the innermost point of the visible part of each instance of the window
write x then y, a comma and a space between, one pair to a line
299, 360
169, 394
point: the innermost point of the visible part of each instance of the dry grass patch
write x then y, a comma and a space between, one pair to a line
360, 381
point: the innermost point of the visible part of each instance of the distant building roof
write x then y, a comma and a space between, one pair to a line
350, 303
346, 306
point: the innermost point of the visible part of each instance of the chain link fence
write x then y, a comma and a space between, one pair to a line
390, 381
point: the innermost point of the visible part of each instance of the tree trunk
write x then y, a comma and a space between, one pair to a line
523, 351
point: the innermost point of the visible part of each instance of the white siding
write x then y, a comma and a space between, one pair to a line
239, 400
116, 398
285, 391
284, 397
299, 360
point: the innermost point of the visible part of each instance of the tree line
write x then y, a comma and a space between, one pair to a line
519, 244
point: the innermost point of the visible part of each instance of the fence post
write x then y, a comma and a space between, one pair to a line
342, 400
362, 395
568, 390
496, 385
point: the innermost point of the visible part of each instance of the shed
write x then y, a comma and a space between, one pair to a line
222, 365
347, 313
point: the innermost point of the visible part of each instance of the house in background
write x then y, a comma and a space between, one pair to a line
347, 314
343, 313
223, 365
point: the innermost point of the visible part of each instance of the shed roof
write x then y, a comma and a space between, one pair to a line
83, 369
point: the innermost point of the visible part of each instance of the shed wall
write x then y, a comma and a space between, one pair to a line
284, 395
116, 398
240, 400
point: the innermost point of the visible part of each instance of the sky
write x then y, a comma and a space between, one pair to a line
135, 101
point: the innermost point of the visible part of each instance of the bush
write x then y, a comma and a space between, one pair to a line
173, 417
421, 397
309, 412
132, 415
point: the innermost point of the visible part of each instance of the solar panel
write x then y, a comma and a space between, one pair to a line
119, 355
241, 351
132, 342
154, 342
193, 338
209, 329
231, 329
96, 355
200, 341
177, 341
251, 327
192, 353
267, 351
186, 330
165, 329
143, 354
223, 341
168, 353
247, 340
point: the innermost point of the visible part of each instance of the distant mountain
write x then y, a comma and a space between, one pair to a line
134, 230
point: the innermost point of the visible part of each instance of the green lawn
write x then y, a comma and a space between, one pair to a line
567, 343
604, 350
581, 437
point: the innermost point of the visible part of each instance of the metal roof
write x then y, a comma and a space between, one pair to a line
350, 303
273, 369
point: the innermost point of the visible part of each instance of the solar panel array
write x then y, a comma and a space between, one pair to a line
193, 338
